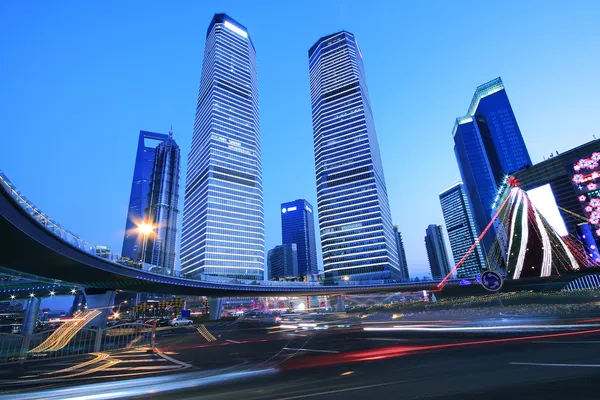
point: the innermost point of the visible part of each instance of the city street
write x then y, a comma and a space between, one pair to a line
350, 358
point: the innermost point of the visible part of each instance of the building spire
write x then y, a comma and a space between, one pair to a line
171, 132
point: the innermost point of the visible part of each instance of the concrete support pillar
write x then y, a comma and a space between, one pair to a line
31, 314
102, 300
215, 307
339, 305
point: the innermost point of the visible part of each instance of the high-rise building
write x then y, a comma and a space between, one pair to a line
357, 236
404, 275
436, 251
223, 215
282, 261
139, 200
488, 145
163, 206
298, 227
461, 230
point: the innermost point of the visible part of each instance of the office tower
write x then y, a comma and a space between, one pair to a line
436, 252
461, 230
223, 216
282, 261
139, 198
357, 236
488, 145
163, 206
491, 102
298, 227
401, 255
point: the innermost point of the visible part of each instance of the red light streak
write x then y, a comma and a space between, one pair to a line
399, 351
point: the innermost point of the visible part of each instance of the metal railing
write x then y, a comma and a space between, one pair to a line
17, 348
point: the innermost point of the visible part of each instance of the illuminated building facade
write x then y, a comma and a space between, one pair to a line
436, 251
357, 236
298, 227
462, 233
223, 216
139, 199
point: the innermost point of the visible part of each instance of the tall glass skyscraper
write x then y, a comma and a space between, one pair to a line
404, 275
223, 215
282, 261
436, 251
357, 236
298, 227
163, 206
488, 145
461, 230
139, 199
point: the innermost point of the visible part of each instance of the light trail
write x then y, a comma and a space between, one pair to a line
63, 334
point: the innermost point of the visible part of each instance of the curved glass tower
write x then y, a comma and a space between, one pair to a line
223, 215
354, 215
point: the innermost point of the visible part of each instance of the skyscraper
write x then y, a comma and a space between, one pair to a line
223, 215
436, 251
357, 236
404, 275
139, 199
298, 227
488, 145
282, 261
163, 206
461, 230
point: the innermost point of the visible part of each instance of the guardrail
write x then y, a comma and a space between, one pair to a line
17, 348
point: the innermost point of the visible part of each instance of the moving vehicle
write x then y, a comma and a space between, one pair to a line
180, 321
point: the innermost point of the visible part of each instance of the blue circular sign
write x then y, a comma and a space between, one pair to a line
491, 281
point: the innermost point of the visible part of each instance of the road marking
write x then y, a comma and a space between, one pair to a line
303, 396
232, 341
312, 350
184, 365
567, 341
557, 365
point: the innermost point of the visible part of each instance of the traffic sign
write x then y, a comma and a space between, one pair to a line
491, 281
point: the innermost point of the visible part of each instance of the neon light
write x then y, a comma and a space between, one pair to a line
307, 208
582, 198
592, 186
524, 238
235, 29
292, 208
547, 257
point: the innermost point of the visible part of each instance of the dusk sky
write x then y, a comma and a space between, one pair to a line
79, 80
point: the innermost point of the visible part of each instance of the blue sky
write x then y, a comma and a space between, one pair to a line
78, 80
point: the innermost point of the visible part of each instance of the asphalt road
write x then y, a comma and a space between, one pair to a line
253, 362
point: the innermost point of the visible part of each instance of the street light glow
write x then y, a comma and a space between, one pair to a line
12, 297
52, 293
73, 291
31, 294
145, 229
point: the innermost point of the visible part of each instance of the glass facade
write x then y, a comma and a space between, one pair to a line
491, 102
357, 236
139, 199
282, 261
488, 146
478, 171
298, 227
404, 275
462, 233
163, 206
223, 216
436, 251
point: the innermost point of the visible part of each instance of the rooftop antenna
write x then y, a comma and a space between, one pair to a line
171, 132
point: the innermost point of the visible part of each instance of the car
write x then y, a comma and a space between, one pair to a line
180, 321
162, 322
